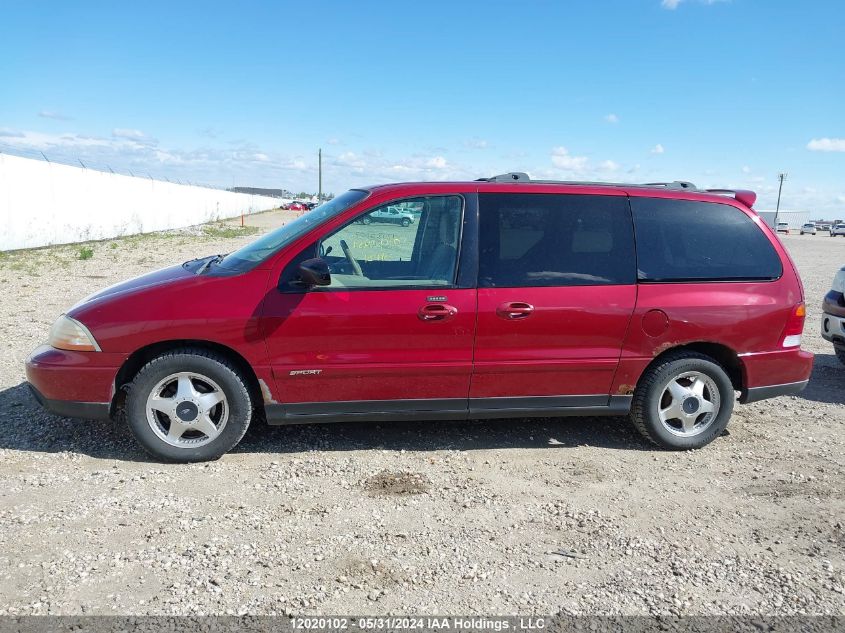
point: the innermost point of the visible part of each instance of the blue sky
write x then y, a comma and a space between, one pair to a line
719, 92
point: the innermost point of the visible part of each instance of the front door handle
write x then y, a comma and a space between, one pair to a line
437, 312
514, 310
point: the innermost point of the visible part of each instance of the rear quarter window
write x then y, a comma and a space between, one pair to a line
683, 240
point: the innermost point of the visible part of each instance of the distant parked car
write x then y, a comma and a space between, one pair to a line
297, 206
390, 215
833, 314
783, 227
837, 229
808, 228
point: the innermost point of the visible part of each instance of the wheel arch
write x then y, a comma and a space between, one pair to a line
724, 355
140, 357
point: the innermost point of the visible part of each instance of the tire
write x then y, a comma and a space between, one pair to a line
406, 222
840, 353
196, 387
699, 383
366, 220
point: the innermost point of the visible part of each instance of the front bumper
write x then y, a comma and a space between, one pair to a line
73, 384
833, 328
71, 409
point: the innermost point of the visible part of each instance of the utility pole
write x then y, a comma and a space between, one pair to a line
320, 175
781, 178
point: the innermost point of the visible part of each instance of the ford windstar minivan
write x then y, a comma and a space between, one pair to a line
504, 298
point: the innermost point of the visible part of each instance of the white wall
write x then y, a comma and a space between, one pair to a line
45, 203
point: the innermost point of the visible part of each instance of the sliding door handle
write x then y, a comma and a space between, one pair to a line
514, 310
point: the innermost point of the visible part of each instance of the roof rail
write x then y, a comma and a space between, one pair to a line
746, 197
675, 184
520, 176
514, 176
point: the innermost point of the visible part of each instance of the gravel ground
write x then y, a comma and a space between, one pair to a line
536, 516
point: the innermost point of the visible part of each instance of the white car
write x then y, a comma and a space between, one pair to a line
808, 228
833, 314
783, 227
837, 229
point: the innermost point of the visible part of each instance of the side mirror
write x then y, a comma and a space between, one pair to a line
314, 272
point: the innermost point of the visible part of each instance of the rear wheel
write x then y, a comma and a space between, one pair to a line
188, 405
684, 401
840, 353
406, 222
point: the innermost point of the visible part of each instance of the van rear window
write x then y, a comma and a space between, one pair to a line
684, 240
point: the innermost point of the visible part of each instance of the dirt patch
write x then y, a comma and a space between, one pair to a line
339, 518
400, 483
357, 571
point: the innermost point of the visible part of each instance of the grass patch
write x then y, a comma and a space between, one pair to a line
225, 231
86, 252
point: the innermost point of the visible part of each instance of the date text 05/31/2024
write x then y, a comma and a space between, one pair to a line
422, 623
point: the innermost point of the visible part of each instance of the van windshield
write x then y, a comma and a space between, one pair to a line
250, 255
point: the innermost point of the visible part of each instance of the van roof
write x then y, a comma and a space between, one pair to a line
514, 181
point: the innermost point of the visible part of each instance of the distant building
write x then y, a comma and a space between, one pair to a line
793, 218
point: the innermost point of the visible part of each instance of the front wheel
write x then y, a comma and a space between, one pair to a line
840, 353
406, 222
684, 401
188, 405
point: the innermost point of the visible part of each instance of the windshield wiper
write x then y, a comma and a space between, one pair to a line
216, 259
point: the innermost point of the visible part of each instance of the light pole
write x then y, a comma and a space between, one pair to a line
781, 178
320, 175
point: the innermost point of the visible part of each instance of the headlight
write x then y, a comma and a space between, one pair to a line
70, 334
839, 281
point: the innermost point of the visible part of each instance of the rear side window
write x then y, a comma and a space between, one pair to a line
682, 240
555, 240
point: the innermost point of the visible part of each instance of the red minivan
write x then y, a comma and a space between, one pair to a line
507, 297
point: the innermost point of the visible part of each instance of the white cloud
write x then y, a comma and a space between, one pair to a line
122, 132
334, 141
827, 145
52, 114
564, 160
609, 165
746, 169
436, 162
611, 118
657, 149
476, 143
673, 4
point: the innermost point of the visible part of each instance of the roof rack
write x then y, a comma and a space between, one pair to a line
742, 195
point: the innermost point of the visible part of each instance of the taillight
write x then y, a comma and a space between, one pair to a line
794, 326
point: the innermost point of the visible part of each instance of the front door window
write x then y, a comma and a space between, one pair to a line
409, 244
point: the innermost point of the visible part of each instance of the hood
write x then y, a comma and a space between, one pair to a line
155, 278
